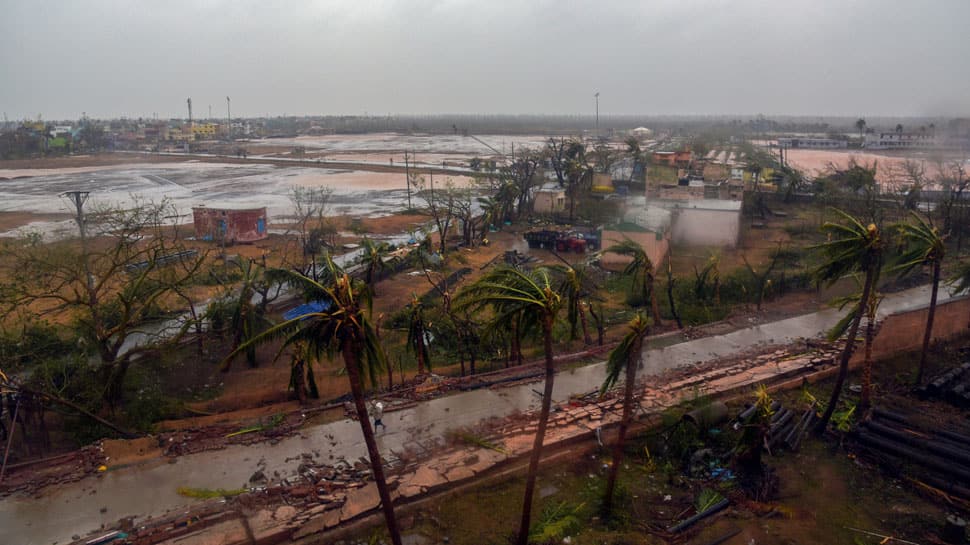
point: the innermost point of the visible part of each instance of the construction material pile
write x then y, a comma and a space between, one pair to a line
952, 386
938, 455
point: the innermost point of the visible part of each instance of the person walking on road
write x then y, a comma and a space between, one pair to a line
378, 413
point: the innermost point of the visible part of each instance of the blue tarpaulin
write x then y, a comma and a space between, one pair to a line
306, 308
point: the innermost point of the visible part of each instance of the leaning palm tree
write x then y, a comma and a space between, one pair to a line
869, 311
530, 298
345, 328
851, 248
641, 269
923, 245
624, 358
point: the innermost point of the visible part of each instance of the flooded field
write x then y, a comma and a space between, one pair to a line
191, 183
386, 145
890, 168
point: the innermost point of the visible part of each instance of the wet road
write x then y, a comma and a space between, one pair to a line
151, 488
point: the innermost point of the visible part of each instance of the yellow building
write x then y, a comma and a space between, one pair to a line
204, 131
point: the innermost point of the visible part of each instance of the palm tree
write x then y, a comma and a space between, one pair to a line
861, 125
302, 381
923, 246
247, 318
641, 268
417, 335
635, 152
530, 298
710, 272
342, 328
865, 398
851, 248
372, 259
576, 285
624, 358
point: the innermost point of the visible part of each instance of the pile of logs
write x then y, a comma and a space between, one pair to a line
941, 456
786, 427
953, 386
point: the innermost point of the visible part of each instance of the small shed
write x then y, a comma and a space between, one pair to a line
549, 199
230, 225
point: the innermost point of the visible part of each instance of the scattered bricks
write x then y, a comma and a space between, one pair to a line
284, 513
315, 510
301, 491
459, 473
318, 524
331, 500
360, 501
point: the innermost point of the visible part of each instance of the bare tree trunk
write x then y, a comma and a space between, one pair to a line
600, 328
654, 307
582, 319
420, 351
928, 333
530, 482
846, 355
865, 400
670, 296
350, 354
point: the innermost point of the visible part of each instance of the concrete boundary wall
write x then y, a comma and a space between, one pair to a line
903, 331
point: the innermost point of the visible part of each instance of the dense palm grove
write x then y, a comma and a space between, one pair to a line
75, 311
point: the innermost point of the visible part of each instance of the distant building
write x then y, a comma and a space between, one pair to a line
550, 199
706, 222
689, 189
646, 224
812, 143
641, 132
204, 131
679, 159
230, 225
899, 140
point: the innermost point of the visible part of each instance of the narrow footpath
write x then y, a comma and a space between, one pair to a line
56, 514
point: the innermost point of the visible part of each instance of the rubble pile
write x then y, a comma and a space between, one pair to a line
31, 477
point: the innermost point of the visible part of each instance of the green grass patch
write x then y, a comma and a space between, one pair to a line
209, 493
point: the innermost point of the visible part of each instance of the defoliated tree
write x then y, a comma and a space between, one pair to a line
111, 286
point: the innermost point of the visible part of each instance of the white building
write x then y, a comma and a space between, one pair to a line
899, 140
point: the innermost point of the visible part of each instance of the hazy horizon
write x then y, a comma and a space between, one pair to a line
707, 58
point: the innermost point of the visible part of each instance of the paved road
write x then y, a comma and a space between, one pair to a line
151, 488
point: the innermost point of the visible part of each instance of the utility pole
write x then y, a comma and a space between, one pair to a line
228, 119
597, 96
407, 173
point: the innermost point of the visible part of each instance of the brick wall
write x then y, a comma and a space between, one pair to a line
903, 332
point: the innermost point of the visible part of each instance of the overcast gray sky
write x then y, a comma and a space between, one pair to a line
839, 57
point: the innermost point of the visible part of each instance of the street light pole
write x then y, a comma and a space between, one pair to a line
229, 119
597, 96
